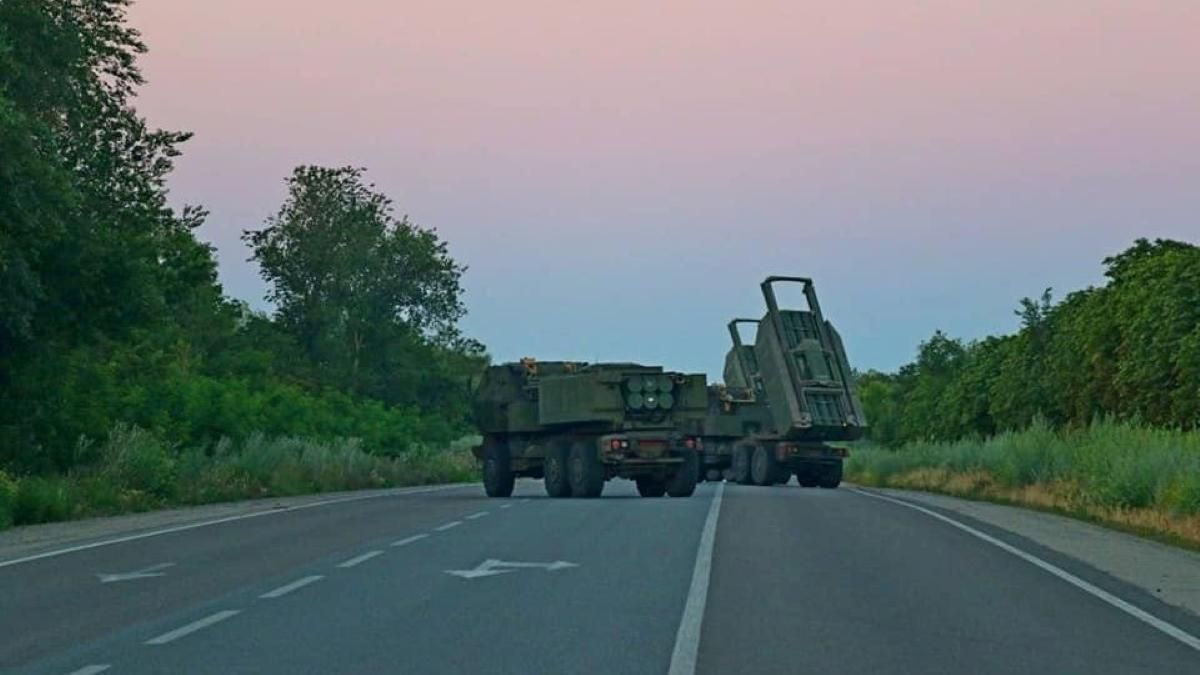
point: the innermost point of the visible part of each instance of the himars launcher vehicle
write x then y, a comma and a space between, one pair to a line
577, 425
784, 398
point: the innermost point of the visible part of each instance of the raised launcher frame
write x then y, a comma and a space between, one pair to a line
784, 398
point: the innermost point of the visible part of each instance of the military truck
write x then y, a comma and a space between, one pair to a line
784, 399
576, 425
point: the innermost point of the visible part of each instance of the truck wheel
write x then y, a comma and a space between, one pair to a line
651, 487
763, 467
831, 477
713, 475
741, 465
498, 478
683, 482
555, 469
585, 473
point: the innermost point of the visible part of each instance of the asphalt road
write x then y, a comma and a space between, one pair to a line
735, 579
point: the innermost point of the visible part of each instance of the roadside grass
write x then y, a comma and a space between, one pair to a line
1139, 479
137, 471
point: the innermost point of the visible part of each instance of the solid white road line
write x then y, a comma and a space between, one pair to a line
360, 559
228, 519
687, 639
408, 540
91, 670
1136, 612
288, 588
192, 627
474, 516
447, 526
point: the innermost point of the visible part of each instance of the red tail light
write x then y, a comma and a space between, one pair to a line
614, 444
690, 443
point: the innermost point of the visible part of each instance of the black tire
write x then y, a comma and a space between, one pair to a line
806, 478
651, 487
585, 472
555, 469
831, 477
682, 483
713, 475
741, 465
498, 478
764, 469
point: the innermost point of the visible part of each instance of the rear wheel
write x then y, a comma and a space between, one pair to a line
651, 487
764, 469
585, 472
683, 482
741, 465
498, 478
831, 476
555, 469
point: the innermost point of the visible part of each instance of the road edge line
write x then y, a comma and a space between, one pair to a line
1136, 612
687, 638
226, 519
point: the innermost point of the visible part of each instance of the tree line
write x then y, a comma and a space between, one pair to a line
1129, 350
111, 313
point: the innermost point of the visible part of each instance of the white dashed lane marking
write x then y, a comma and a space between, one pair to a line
91, 670
288, 588
360, 559
192, 627
408, 540
447, 526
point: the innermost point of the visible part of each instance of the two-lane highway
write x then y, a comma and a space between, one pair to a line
736, 579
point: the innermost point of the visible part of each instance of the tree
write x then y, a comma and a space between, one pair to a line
93, 262
365, 295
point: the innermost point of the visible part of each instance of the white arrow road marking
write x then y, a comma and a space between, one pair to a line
144, 573
492, 567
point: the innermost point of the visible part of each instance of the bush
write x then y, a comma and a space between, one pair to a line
8, 498
135, 471
1111, 464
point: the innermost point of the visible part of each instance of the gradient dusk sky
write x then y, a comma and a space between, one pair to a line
619, 176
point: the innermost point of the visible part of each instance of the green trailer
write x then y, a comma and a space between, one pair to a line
577, 425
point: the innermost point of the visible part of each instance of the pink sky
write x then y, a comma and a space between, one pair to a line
595, 163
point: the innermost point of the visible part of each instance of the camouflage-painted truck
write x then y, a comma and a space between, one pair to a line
785, 398
576, 425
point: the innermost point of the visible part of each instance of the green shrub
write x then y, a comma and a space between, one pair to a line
1113, 464
41, 499
8, 498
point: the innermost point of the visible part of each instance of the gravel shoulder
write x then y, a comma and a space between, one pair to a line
1170, 574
